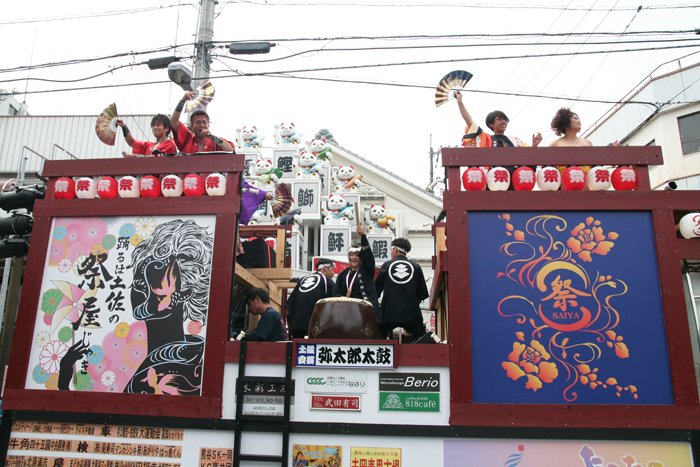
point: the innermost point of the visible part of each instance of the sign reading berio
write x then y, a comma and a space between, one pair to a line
419, 382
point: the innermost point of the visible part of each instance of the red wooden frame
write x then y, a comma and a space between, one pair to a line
685, 413
226, 208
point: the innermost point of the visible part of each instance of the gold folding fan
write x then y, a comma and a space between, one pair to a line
205, 94
454, 80
106, 127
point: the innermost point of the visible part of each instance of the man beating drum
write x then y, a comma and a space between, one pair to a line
307, 292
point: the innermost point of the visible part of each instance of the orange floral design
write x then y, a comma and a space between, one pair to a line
588, 238
530, 362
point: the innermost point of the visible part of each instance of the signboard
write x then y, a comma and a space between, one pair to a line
409, 402
215, 457
335, 240
345, 355
558, 453
569, 309
307, 194
105, 320
326, 180
378, 457
343, 402
295, 249
249, 158
335, 381
420, 382
283, 159
314, 455
264, 398
381, 247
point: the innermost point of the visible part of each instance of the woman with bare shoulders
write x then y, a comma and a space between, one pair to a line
567, 125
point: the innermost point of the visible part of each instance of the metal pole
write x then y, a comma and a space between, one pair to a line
431, 158
203, 44
5, 283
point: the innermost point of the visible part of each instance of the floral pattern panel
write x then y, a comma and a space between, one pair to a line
566, 309
124, 305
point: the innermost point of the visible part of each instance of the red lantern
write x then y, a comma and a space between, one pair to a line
64, 188
624, 178
86, 188
150, 186
524, 179
548, 178
216, 184
474, 179
107, 187
573, 179
129, 187
498, 179
193, 185
598, 179
171, 186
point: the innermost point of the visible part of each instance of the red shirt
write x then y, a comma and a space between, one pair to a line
146, 147
187, 143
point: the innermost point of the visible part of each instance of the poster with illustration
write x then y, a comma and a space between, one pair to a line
124, 303
566, 309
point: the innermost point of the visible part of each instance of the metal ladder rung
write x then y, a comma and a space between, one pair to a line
260, 458
263, 418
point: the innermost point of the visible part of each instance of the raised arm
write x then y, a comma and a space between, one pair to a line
175, 117
463, 110
127, 134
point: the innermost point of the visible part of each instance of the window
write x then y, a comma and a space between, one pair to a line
13, 110
690, 133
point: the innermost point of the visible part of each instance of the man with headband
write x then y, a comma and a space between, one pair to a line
200, 139
358, 279
404, 288
307, 292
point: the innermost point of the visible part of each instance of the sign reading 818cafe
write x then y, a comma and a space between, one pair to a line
345, 355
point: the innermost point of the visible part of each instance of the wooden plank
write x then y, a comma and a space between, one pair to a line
623, 155
247, 280
272, 273
285, 284
440, 237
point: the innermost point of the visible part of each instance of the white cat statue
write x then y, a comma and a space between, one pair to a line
262, 216
264, 175
248, 137
336, 210
377, 221
344, 179
309, 166
286, 135
321, 148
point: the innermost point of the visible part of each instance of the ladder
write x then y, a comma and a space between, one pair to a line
265, 423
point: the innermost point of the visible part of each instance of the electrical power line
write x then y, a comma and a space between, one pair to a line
91, 15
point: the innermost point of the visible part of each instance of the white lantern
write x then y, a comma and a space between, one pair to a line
690, 225
171, 186
129, 187
598, 179
548, 178
498, 179
86, 188
216, 184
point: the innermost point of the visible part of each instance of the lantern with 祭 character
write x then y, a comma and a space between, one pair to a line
573, 179
193, 185
129, 187
107, 187
598, 179
498, 179
690, 225
86, 188
150, 186
64, 188
216, 184
474, 179
171, 186
624, 178
524, 179
548, 178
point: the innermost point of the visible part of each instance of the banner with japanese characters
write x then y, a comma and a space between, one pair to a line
377, 457
124, 304
306, 455
345, 355
566, 309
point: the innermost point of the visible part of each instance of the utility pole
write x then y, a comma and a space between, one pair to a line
203, 43
432, 154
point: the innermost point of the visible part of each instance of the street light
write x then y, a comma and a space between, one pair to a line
180, 75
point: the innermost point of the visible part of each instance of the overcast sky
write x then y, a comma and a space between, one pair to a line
390, 125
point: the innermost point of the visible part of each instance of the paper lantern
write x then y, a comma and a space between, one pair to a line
193, 185
474, 179
107, 187
64, 188
573, 179
149, 186
524, 179
598, 179
548, 178
171, 186
216, 184
624, 178
690, 225
129, 187
498, 179
86, 188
